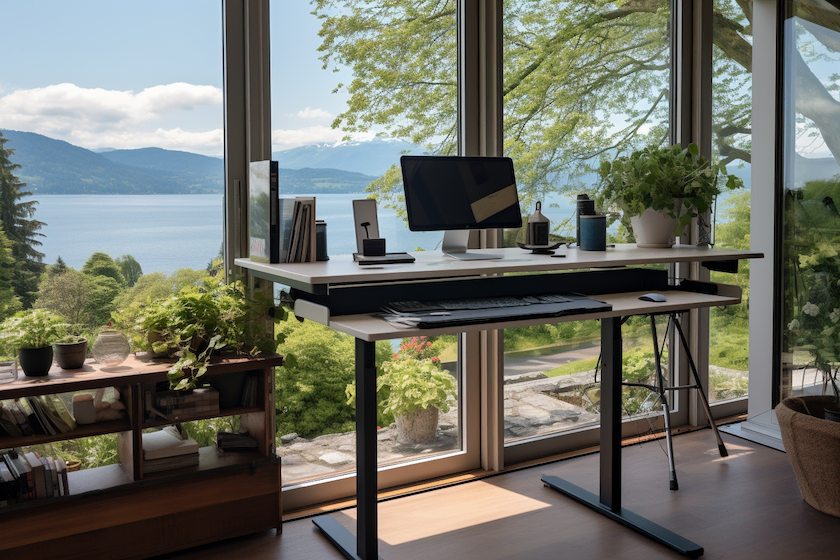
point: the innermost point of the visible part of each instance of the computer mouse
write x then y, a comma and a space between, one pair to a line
653, 297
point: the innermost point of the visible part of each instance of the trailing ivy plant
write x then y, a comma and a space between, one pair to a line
674, 180
199, 321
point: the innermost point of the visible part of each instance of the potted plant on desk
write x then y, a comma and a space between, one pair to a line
70, 351
32, 333
661, 188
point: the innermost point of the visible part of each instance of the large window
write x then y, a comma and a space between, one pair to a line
354, 85
811, 265
731, 124
582, 82
111, 161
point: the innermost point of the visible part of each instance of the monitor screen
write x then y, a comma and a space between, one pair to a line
451, 193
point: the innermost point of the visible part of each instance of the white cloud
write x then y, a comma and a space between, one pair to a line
96, 117
310, 113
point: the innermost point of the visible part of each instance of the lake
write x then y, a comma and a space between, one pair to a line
167, 232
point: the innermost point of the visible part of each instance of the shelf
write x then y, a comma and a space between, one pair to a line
83, 430
205, 416
209, 459
138, 368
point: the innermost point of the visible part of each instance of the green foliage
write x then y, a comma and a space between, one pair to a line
674, 180
103, 293
34, 328
413, 385
100, 264
92, 452
199, 321
130, 269
9, 301
310, 386
21, 229
69, 294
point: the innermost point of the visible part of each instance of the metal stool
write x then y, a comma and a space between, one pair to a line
661, 388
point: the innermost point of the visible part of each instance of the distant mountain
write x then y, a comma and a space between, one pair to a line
374, 157
50, 166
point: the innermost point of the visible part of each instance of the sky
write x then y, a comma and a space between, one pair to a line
132, 74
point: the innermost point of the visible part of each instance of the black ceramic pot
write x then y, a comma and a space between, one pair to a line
70, 355
35, 362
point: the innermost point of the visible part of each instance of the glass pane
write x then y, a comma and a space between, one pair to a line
112, 173
582, 81
731, 124
811, 312
355, 85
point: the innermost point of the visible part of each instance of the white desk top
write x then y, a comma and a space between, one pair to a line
341, 269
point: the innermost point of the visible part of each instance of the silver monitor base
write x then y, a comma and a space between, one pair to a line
455, 246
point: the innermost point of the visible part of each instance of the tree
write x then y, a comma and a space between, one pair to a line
582, 80
100, 264
9, 301
68, 294
60, 267
22, 230
130, 269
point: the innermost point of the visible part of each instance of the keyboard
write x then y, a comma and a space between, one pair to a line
473, 303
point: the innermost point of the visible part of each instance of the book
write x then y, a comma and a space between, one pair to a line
22, 472
42, 416
241, 442
38, 474
7, 420
295, 231
61, 468
285, 216
27, 409
52, 414
263, 212
55, 477
163, 443
167, 463
308, 241
49, 476
21, 419
62, 411
8, 485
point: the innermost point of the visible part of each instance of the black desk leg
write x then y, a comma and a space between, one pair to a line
367, 543
609, 503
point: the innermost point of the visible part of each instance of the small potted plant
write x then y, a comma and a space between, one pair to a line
661, 188
70, 351
32, 333
416, 391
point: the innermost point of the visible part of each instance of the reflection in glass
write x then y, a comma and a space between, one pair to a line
811, 243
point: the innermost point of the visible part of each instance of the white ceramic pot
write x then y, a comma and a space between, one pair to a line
653, 229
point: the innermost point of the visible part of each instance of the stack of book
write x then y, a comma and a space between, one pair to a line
168, 449
179, 406
240, 443
279, 229
28, 476
249, 391
44, 414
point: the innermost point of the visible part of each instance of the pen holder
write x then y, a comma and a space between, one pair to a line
373, 247
321, 241
593, 232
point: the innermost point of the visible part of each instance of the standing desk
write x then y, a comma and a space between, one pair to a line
345, 296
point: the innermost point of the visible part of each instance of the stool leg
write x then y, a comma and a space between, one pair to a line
660, 384
721, 446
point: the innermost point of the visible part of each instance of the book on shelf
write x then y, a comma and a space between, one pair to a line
8, 421
165, 443
241, 442
8, 485
38, 473
20, 469
34, 422
51, 412
43, 419
177, 405
302, 243
249, 391
61, 469
168, 463
21, 419
49, 475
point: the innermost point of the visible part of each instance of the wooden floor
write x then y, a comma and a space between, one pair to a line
743, 507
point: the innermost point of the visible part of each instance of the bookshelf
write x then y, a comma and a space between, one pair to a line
121, 512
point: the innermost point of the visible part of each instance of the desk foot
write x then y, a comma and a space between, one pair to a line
627, 518
342, 539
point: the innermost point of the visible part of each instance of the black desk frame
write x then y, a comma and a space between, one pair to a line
362, 299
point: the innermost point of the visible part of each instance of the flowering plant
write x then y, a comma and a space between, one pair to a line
417, 348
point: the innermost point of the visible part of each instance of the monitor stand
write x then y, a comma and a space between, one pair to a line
455, 246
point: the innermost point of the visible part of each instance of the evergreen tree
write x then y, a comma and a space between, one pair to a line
9, 302
22, 230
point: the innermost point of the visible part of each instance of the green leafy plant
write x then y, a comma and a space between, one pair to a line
674, 180
34, 328
411, 385
199, 321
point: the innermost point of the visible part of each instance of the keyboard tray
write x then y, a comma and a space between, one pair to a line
477, 316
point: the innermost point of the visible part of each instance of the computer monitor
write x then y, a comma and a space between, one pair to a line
457, 194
